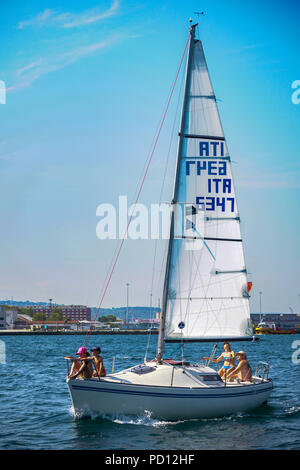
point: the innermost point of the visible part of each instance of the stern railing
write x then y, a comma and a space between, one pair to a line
262, 370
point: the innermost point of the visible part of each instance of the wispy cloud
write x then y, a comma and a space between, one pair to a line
280, 180
38, 20
31, 72
70, 20
28, 67
49, 62
91, 16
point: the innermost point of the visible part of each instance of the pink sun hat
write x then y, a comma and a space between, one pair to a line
81, 350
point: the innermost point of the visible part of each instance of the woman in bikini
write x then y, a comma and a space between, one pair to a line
81, 366
228, 357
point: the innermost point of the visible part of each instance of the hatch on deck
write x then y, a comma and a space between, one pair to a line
142, 369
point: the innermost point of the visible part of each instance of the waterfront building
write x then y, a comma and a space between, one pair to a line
51, 325
8, 318
87, 325
23, 323
71, 312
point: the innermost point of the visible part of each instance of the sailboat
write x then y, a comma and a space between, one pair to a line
205, 293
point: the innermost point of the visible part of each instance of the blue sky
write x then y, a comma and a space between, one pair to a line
86, 85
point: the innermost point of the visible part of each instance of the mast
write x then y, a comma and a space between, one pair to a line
127, 309
160, 344
260, 311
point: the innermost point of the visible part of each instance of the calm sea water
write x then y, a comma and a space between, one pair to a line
35, 405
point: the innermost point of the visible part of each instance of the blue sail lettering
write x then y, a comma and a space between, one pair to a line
204, 147
212, 166
211, 149
226, 185
201, 166
187, 166
222, 149
223, 168
214, 146
210, 203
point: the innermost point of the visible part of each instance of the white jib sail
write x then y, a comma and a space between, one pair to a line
207, 294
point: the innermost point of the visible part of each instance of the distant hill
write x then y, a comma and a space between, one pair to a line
21, 303
120, 312
134, 312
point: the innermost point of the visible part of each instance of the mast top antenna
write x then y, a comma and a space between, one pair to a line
198, 13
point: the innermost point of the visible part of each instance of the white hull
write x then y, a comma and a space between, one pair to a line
110, 397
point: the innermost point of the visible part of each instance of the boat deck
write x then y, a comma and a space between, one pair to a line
166, 375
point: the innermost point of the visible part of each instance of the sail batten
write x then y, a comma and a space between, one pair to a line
206, 295
195, 136
208, 339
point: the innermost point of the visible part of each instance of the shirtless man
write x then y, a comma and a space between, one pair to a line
98, 361
242, 370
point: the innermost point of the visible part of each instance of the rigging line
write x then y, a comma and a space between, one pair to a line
205, 244
186, 318
146, 161
208, 307
197, 273
157, 128
164, 178
153, 139
160, 199
191, 254
165, 173
106, 277
192, 283
149, 335
194, 261
137, 186
140, 190
161, 270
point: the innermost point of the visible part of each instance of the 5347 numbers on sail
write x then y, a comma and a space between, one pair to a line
217, 185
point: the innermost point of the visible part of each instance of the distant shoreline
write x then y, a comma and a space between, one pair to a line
70, 333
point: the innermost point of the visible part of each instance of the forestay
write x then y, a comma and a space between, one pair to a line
206, 289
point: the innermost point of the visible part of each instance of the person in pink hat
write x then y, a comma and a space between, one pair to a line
81, 366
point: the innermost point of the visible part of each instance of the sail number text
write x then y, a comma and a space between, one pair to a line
212, 167
218, 189
210, 203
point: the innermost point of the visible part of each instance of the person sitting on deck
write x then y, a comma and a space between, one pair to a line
228, 357
75, 364
98, 361
243, 370
82, 366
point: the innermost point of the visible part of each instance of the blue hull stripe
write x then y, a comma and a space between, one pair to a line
168, 395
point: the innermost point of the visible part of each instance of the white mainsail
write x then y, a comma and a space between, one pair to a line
206, 288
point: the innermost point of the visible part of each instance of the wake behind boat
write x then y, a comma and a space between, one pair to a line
206, 290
